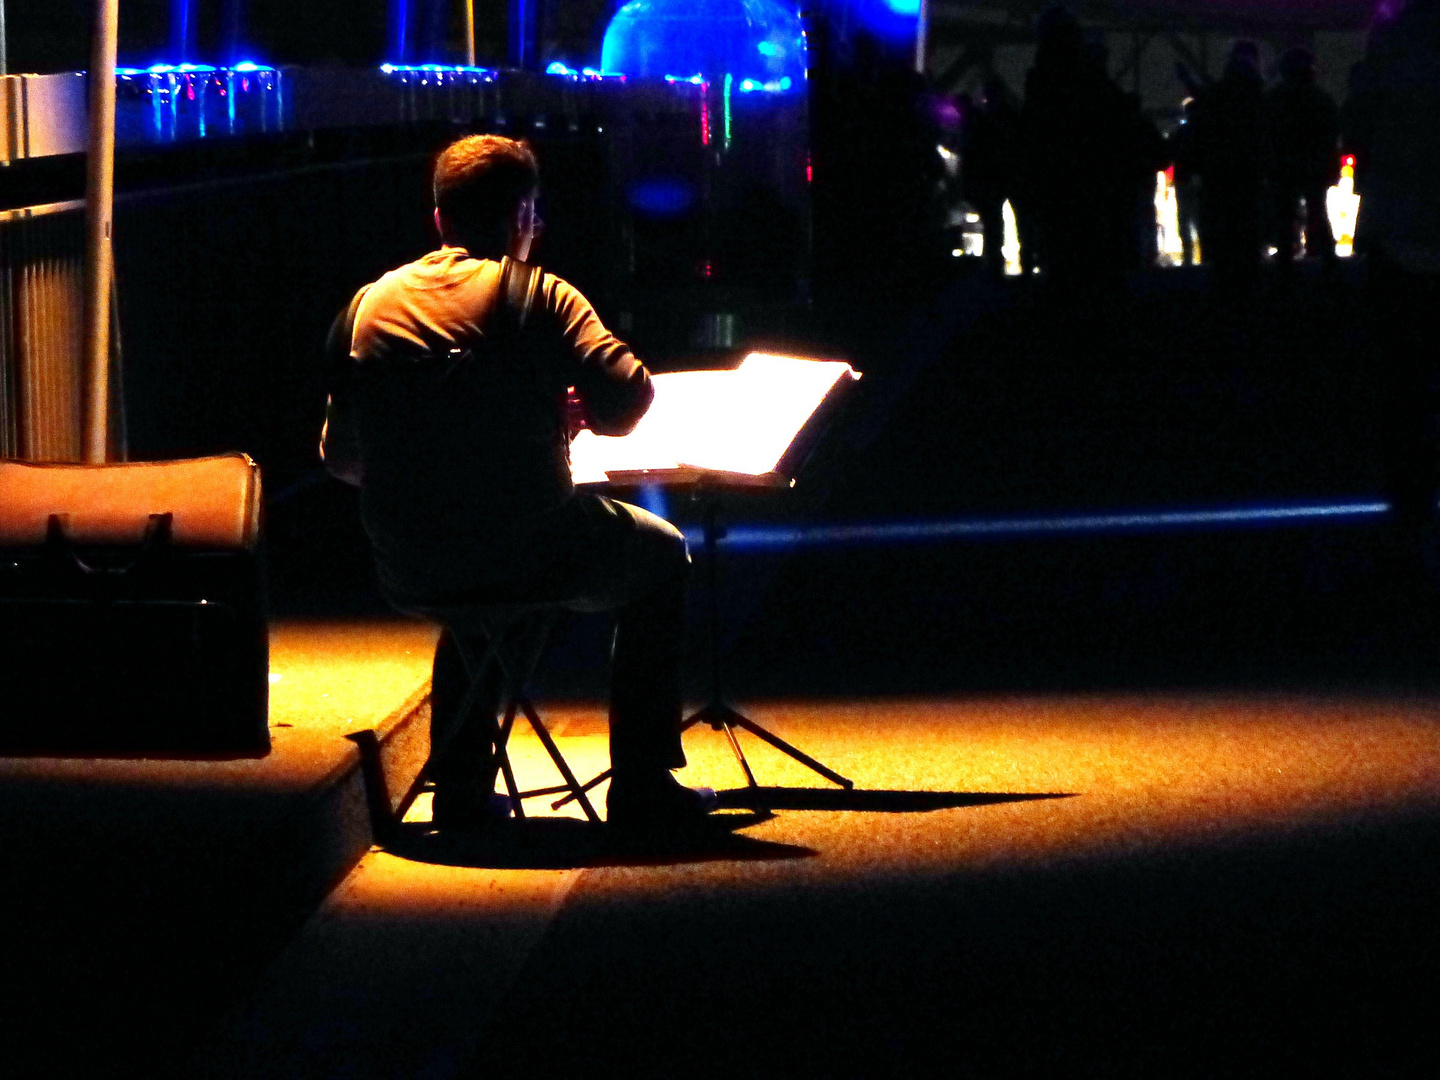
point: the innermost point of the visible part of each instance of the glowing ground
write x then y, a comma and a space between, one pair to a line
1222, 885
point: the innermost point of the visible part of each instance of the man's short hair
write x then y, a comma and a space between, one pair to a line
481, 179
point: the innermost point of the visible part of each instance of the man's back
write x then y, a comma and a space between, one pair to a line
461, 412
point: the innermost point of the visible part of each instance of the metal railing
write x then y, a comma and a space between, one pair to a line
41, 389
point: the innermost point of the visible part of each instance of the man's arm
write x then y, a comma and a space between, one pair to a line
340, 437
613, 386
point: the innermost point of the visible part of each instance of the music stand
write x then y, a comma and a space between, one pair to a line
764, 417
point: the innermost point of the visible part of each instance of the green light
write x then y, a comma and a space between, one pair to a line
728, 80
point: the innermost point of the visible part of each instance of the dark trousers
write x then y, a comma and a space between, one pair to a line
992, 225
1319, 238
1230, 211
1187, 205
596, 555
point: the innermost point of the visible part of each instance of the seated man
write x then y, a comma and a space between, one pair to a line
457, 396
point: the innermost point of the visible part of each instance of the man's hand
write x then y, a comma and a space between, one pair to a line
576, 420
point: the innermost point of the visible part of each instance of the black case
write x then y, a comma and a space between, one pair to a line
147, 650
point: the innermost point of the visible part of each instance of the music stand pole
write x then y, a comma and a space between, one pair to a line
716, 713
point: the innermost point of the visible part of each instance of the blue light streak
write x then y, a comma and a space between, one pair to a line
244, 67
560, 69
438, 69
774, 86
761, 538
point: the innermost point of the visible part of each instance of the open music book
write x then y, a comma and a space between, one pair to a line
738, 424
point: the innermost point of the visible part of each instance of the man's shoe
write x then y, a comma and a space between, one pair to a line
657, 802
466, 808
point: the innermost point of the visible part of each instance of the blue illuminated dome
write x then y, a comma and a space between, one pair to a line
756, 41
894, 21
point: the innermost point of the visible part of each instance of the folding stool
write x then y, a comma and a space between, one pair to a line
515, 636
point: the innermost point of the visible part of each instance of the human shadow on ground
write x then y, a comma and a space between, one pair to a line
761, 799
569, 844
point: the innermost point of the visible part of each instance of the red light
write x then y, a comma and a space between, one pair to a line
1170, 175
809, 170
1348, 161
704, 114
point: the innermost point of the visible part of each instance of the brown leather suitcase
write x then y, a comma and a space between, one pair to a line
131, 609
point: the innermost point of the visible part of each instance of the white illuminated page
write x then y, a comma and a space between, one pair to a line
739, 421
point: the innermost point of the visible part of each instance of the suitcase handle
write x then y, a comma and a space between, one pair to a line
159, 532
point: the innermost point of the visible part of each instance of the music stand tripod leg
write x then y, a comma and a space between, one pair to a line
784, 747
720, 717
717, 714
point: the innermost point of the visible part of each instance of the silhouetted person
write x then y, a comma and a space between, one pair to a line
1138, 152
989, 167
1392, 123
455, 408
1143, 150
1076, 135
1228, 148
1302, 125
1181, 146
878, 177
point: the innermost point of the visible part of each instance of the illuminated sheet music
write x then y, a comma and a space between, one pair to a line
738, 422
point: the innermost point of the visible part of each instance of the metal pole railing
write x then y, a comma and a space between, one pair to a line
922, 36
99, 214
469, 6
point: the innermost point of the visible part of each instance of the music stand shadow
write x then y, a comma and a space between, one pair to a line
569, 844
762, 799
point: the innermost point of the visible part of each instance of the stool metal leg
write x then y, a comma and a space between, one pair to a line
560, 763
517, 655
502, 755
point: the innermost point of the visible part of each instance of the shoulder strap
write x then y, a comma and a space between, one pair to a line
519, 291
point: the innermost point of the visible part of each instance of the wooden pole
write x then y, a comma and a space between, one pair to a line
99, 212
